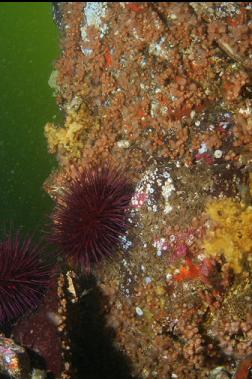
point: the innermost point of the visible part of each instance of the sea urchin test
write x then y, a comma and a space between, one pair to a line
23, 277
91, 215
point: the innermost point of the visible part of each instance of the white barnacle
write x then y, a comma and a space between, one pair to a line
139, 311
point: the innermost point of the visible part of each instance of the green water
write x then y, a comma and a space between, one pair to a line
29, 46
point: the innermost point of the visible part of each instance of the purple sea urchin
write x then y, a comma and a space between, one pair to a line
23, 278
90, 215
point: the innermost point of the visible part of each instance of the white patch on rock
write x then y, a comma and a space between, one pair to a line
94, 13
167, 190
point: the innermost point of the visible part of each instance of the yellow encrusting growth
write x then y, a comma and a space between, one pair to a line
231, 233
68, 141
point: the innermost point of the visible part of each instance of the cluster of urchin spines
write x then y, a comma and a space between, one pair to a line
24, 277
89, 218
90, 215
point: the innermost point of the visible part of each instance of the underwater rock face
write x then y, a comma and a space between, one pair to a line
157, 85
163, 90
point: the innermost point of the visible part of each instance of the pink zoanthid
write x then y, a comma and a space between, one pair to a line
91, 215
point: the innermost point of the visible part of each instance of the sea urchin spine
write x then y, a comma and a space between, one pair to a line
91, 215
23, 278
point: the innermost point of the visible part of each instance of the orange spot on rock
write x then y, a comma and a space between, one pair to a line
108, 57
134, 7
190, 271
141, 113
243, 368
